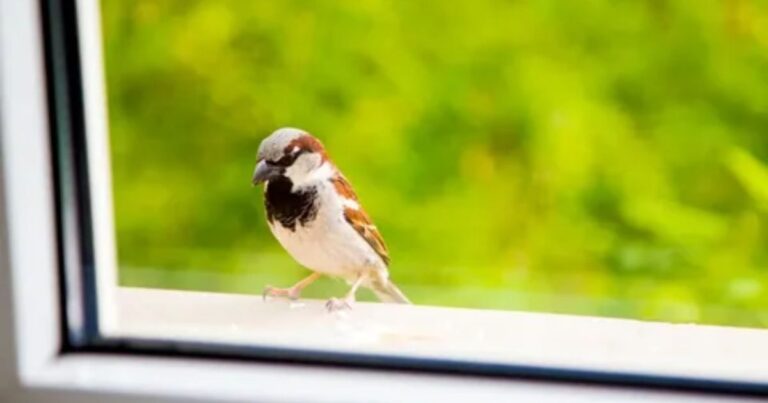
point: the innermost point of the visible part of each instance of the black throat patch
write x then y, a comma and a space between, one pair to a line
288, 207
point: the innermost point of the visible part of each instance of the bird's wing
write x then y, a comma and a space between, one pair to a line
363, 225
359, 220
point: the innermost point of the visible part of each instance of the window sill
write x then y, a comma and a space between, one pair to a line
548, 340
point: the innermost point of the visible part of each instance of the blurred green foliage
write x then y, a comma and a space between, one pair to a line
596, 157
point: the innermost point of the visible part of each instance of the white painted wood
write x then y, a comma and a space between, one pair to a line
28, 190
97, 137
142, 377
475, 335
33, 370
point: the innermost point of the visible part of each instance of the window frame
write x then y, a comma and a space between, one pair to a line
59, 221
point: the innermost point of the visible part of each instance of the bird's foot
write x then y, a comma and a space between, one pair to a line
291, 293
339, 304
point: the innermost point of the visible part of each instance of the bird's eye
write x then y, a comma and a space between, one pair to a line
285, 161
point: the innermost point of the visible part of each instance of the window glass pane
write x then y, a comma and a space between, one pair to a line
601, 158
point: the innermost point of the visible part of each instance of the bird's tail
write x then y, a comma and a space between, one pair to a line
387, 291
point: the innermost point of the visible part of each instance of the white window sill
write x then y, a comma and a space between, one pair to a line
614, 345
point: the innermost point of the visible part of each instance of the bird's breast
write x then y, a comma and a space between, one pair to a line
318, 236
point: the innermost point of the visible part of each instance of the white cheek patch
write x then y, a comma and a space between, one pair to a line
295, 173
305, 170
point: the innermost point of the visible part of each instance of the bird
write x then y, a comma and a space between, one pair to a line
316, 216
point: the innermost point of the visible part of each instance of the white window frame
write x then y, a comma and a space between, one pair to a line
32, 359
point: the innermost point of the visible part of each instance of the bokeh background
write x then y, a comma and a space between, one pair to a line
591, 157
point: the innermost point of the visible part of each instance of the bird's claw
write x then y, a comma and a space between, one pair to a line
290, 293
266, 293
337, 304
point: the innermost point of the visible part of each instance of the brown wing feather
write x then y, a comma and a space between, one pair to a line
360, 220
343, 188
363, 225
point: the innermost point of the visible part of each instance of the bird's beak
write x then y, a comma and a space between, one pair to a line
264, 172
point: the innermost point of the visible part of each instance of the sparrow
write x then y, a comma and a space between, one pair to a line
316, 216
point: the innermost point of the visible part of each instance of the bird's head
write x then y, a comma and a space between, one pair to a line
290, 153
